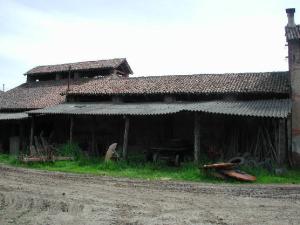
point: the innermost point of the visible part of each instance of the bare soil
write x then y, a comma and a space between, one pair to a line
39, 197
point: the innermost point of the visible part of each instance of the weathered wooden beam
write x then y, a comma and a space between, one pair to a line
117, 99
69, 79
289, 139
21, 134
281, 141
120, 72
71, 129
196, 137
31, 132
125, 140
169, 99
38, 147
94, 151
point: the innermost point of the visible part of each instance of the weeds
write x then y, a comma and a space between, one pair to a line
265, 177
138, 168
70, 149
12, 160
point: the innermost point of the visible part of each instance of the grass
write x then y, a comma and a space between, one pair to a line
137, 168
292, 176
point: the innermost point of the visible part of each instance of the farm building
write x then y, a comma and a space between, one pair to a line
42, 91
97, 103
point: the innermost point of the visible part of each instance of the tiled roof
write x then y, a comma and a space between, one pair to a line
292, 33
35, 95
269, 82
260, 108
47, 93
79, 66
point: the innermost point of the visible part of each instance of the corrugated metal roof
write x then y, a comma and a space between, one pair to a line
261, 108
13, 116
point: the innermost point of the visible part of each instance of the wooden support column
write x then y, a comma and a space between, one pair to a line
94, 150
31, 132
196, 137
281, 141
125, 140
289, 140
21, 134
71, 129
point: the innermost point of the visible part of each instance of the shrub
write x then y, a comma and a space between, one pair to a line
70, 149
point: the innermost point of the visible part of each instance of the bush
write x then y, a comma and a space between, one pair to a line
70, 149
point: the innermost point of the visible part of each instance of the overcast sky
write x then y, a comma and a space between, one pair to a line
156, 36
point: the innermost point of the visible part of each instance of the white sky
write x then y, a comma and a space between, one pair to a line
157, 37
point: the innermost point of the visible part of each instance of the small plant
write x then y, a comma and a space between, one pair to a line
14, 160
70, 149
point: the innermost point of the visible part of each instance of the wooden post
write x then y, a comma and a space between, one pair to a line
69, 77
196, 137
71, 129
31, 131
21, 135
125, 140
281, 141
94, 151
289, 139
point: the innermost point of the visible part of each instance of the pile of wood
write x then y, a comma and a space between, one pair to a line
228, 170
42, 151
262, 142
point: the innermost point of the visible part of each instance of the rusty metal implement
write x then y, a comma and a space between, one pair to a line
220, 166
239, 175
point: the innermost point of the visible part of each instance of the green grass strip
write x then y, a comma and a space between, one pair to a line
143, 170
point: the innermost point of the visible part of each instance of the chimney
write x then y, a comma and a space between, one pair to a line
290, 14
293, 121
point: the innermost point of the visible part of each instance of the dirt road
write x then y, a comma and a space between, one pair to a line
36, 197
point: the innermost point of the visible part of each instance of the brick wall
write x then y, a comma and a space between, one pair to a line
294, 67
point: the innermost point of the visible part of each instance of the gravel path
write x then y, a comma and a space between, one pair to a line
41, 198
